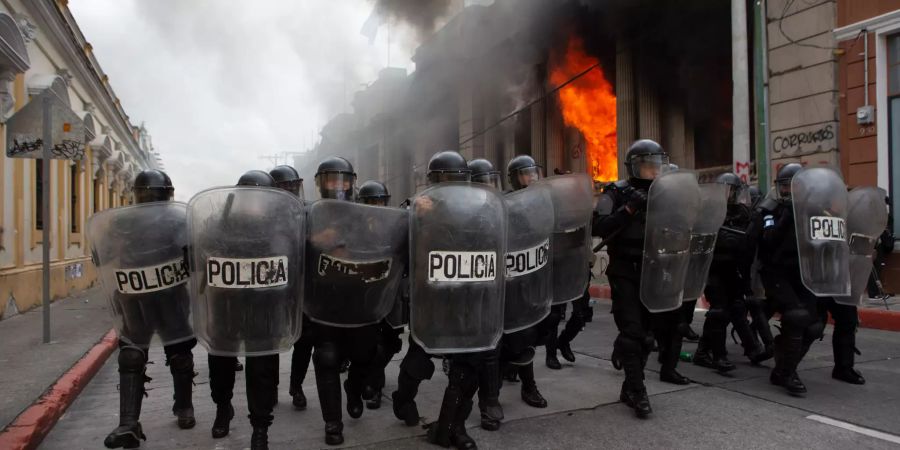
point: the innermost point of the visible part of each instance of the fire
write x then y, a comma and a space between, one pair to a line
588, 104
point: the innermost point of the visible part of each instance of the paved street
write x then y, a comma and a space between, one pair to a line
741, 411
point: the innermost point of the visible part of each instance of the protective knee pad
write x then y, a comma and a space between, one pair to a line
815, 330
132, 359
181, 362
796, 319
718, 315
417, 365
627, 345
327, 356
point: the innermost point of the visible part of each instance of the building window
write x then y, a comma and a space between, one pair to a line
893, 69
38, 194
98, 185
75, 215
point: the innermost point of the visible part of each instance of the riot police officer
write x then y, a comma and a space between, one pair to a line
774, 227
389, 343
261, 371
336, 180
518, 347
728, 283
164, 312
620, 219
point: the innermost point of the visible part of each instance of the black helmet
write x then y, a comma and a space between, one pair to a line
737, 190
483, 172
645, 151
152, 186
783, 179
256, 178
373, 193
448, 166
522, 170
287, 178
336, 179
755, 195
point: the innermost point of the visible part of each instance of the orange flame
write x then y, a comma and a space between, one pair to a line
588, 104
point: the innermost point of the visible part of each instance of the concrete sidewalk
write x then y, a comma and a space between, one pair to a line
27, 366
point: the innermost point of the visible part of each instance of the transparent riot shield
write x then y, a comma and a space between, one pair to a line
399, 315
820, 214
673, 203
247, 247
529, 275
866, 220
356, 256
570, 245
457, 278
713, 207
139, 253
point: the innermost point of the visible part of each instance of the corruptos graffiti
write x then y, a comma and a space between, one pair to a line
793, 143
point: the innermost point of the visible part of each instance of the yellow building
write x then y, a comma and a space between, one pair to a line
41, 47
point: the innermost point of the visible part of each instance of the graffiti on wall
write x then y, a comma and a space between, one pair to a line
805, 141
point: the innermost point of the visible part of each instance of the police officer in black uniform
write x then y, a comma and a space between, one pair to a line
261, 376
287, 178
774, 228
416, 365
517, 349
389, 343
152, 186
621, 220
336, 180
728, 283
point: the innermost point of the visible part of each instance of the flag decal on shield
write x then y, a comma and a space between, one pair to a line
247, 273
462, 266
825, 228
151, 279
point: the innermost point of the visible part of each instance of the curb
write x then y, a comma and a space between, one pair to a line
32, 425
876, 319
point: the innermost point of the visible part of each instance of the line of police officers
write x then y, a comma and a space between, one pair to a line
479, 276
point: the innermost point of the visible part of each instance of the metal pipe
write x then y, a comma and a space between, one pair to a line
865, 65
45, 213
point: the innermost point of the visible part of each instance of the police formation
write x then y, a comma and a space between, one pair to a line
479, 276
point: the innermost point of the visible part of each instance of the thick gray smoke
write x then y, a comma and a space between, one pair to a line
422, 15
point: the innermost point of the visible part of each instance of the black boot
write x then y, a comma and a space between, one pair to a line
703, 356
636, 399
491, 414
405, 409
299, 400
753, 349
552, 361
844, 347
566, 350
334, 433
669, 351
260, 438
459, 438
224, 414
182, 368
530, 393
374, 401
131, 394
354, 400
440, 432
791, 382
788, 352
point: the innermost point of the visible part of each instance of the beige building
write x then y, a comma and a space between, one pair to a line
41, 47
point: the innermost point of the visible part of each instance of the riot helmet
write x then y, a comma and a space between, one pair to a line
256, 178
483, 172
373, 193
755, 195
522, 171
448, 166
287, 178
737, 190
645, 160
336, 179
783, 180
152, 186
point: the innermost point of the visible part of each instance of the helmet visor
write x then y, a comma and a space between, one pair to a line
376, 201
294, 187
147, 195
336, 185
648, 167
443, 177
783, 189
527, 175
492, 179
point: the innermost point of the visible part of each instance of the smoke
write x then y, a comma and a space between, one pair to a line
422, 15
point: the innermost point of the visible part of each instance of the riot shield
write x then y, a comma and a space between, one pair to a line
570, 245
139, 253
713, 207
355, 260
457, 242
820, 213
673, 203
529, 275
399, 315
247, 247
866, 220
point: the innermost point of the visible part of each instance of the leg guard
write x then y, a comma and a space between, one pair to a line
181, 366
327, 363
262, 389
132, 365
